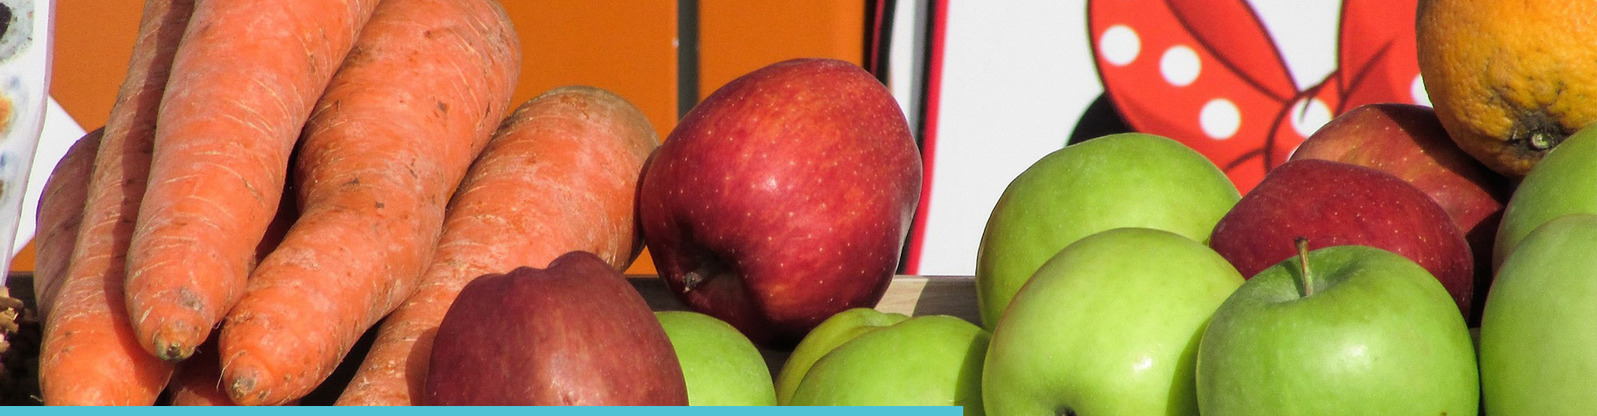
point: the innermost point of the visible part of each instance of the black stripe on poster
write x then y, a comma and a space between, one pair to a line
687, 56
926, 111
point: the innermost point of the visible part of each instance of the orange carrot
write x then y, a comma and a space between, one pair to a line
243, 82
197, 381
89, 354
424, 89
560, 175
58, 218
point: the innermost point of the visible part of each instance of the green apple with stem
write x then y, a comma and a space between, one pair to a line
1109, 325
932, 360
1563, 182
832, 332
1118, 180
1342, 330
721, 366
1537, 331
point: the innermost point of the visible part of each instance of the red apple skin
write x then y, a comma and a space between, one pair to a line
575, 333
783, 198
1408, 141
1335, 203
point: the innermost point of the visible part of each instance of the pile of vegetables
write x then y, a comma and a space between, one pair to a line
277, 178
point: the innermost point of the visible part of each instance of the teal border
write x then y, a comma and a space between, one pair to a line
497, 410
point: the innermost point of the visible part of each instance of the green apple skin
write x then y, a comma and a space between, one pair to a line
1563, 182
1118, 180
1378, 336
932, 360
1109, 326
722, 367
1537, 332
831, 333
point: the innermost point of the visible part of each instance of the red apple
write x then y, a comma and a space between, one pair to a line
1334, 204
783, 198
1408, 141
575, 333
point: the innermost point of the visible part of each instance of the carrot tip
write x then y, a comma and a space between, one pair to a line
170, 351
242, 391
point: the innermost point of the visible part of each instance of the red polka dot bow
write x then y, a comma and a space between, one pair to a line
1207, 73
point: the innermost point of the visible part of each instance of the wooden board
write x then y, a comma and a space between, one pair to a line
909, 295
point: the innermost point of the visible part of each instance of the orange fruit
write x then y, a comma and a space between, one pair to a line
1509, 79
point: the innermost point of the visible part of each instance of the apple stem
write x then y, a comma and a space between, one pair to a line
1541, 141
691, 280
1306, 278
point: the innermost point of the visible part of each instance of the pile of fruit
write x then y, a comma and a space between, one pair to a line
261, 199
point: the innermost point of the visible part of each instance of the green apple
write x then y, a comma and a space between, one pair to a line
722, 367
1119, 180
1563, 182
1537, 332
1356, 331
832, 332
932, 360
1108, 326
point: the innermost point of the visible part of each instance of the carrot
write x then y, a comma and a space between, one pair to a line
560, 175
89, 354
244, 80
59, 216
197, 381
424, 89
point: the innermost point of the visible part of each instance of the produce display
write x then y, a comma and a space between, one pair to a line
351, 205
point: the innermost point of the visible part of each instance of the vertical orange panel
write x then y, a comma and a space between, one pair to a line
93, 43
627, 47
739, 36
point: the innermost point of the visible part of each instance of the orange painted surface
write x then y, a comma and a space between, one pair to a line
739, 36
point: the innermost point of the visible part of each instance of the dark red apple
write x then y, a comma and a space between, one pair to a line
1408, 141
783, 198
1334, 204
575, 333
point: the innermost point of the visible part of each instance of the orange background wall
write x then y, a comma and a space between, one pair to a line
625, 46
